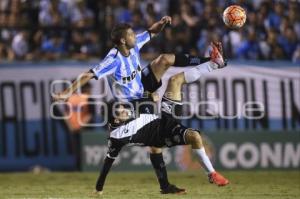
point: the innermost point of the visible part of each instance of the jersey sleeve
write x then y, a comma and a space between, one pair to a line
106, 67
142, 39
114, 147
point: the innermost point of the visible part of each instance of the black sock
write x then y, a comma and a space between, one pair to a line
189, 60
160, 169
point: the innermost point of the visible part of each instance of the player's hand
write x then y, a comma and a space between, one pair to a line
60, 97
155, 97
97, 193
166, 20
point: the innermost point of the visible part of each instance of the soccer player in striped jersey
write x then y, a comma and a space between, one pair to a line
129, 81
155, 131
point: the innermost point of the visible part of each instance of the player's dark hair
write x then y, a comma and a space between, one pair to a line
112, 111
112, 107
118, 32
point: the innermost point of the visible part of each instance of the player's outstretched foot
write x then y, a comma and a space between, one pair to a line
216, 55
172, 189
217, 179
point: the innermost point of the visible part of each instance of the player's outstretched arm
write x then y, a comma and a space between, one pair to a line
79, 82
159, 26
104, 172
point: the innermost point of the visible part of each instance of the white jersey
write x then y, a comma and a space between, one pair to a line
133, 126
124, 73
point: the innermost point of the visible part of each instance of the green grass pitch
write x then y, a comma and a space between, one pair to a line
130, 185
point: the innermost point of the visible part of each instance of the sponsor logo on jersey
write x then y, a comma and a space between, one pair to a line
132, 76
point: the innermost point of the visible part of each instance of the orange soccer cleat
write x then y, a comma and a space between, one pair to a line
217, 179
216, 55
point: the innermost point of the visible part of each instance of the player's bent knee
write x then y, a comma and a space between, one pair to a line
155, 150
176, 80
193, 137
166, 59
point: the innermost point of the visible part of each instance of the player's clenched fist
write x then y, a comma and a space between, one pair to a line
166, 20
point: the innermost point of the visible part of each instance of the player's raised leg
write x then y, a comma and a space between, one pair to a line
164, 61
190, 75
172, 99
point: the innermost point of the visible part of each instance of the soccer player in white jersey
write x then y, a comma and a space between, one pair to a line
129, 81
164, 131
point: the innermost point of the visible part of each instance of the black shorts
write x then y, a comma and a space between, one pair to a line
153, 131
149, 80
150, 84
163, 132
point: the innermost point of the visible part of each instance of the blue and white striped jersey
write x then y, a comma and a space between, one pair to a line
124, 73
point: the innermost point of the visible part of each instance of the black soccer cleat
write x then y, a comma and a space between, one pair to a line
172, 189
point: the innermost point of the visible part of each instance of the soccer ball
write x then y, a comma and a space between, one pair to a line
234, 16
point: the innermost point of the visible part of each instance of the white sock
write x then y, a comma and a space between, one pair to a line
204, 160
196, 72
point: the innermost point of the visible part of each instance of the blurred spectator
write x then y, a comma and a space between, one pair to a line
94, 47
4, 10
6, 52
78, 46
20, 46
79, 24
85, 45
15, 18
127, 13
137, 23
81, 112
157, 8
288, 41
249, 48
53, 13
270, 48
53, 47
294, 17
169, 44
296, 56
274, 18
188, 14
81, 16
78, 116
232, 42
109, 22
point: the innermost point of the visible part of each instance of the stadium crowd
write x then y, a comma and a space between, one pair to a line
80, 29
